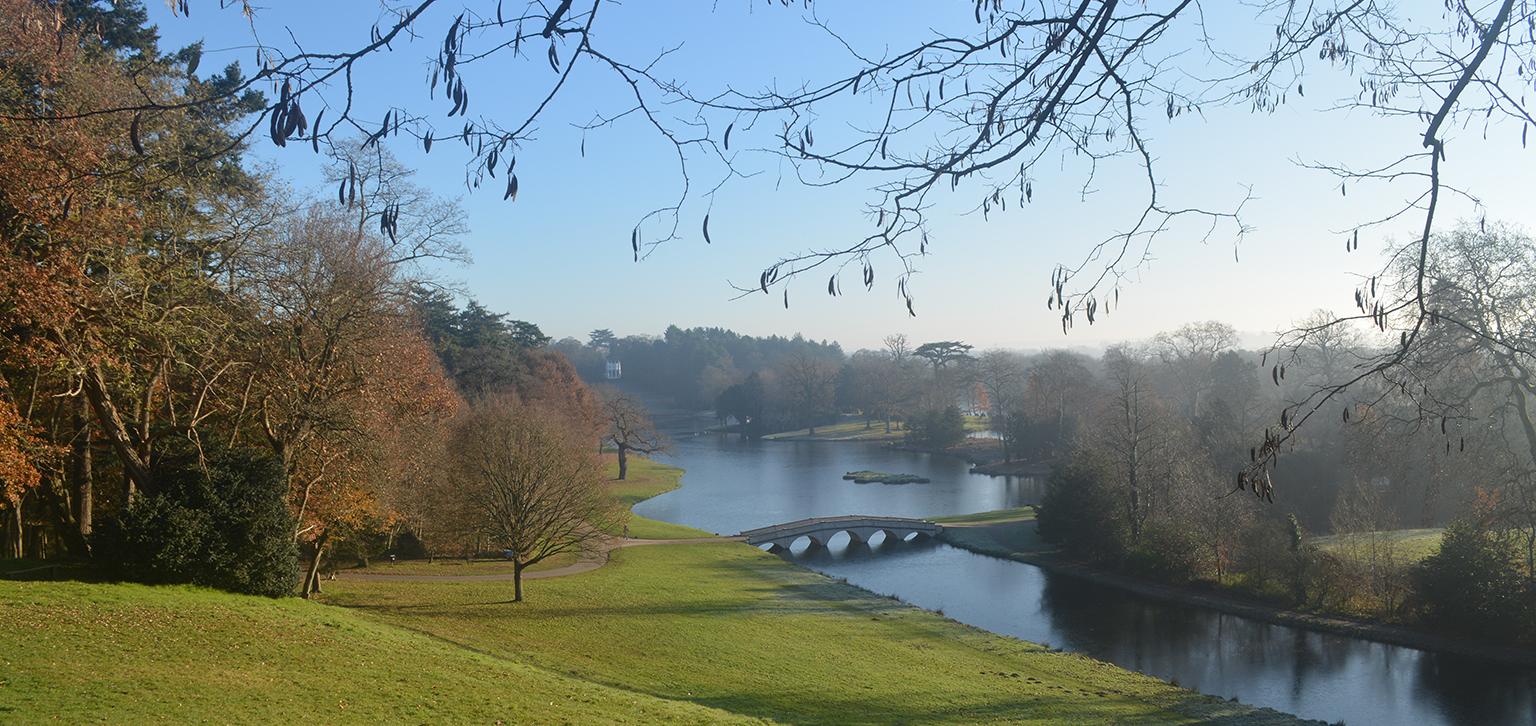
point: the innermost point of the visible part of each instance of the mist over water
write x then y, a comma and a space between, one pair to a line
733, 485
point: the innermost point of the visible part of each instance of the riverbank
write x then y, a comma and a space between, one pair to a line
1010, 534
985, 455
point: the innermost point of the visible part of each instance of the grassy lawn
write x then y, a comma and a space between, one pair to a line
996, 516
1412, 545
131, 654
727, 627
643, 480
998, 533
856, 428
453, 567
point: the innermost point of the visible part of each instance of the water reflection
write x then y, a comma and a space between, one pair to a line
732, 485
1313, 675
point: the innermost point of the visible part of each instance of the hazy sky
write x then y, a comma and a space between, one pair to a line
560, 255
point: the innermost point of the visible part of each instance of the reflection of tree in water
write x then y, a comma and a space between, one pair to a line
1196, 646
1474, 692
1111, 624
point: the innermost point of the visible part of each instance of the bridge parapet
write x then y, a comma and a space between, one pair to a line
821, 529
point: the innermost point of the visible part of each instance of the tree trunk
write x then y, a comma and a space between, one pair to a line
81, 491
623, 462
517, 579
13, 531
135, 470
312, 575
64, 527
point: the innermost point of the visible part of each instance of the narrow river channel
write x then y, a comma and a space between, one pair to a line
733, 485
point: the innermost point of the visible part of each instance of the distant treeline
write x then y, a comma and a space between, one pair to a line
691, 366
1147, 441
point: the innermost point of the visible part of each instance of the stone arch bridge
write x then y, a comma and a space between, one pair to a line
821, 529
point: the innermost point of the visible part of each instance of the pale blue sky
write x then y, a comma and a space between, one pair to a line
559, 256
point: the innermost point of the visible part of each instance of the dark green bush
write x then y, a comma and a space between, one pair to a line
227, 527
1083, 511
1166, 552
1472, 586
939, 428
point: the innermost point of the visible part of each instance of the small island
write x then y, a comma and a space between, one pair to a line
867, 477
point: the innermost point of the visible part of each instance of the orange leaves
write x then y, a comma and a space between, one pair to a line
18, 449
58, 194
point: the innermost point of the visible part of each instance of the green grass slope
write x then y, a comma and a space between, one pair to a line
643, 480
728, 627
130, 654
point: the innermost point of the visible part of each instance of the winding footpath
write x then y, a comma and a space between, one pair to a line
585, 565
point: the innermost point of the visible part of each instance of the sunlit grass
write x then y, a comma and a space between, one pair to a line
132, 654
993, 517
860, 428
643, 480
456, 566
1410, 545
732, 628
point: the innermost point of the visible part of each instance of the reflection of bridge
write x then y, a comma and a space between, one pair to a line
820, 530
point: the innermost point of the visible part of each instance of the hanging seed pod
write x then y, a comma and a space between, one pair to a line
133, 134
706, 230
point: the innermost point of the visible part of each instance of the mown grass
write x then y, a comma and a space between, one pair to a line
454, 567
858, 428
131, 654
999, 533
1411, 545
728, 627
996, 516
855, 430
643, 480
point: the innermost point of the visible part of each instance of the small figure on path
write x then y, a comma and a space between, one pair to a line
626, 531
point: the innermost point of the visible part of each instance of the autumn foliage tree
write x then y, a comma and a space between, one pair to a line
105, 245
158, 299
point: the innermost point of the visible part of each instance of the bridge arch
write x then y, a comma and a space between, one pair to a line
820, 530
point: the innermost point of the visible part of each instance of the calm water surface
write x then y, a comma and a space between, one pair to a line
734, 485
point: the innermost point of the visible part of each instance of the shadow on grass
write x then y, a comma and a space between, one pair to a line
30, 569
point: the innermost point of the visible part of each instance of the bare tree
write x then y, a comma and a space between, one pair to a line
879, 384
1059, 393
630, 429
1188, 353
1002, 376
1137, 431
533, 488
808, 386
